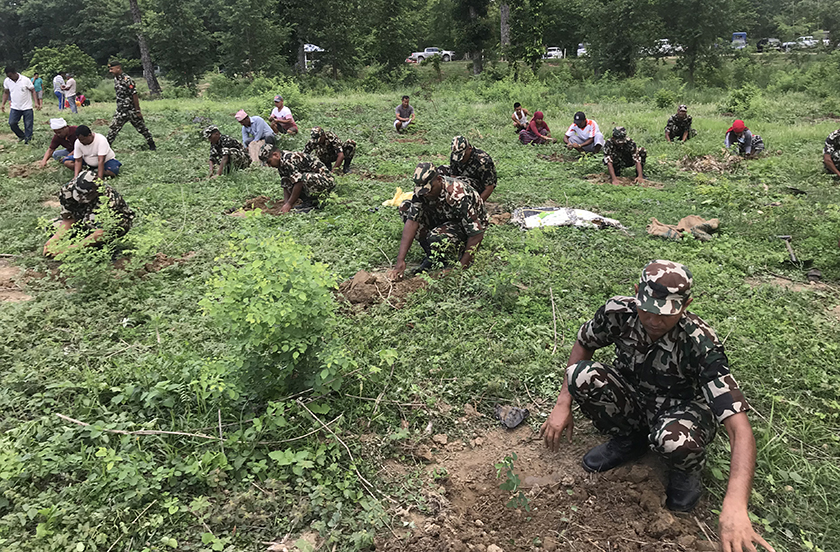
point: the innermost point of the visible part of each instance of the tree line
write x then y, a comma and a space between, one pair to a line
186, 38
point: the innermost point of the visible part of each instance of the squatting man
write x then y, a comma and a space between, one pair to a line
667, 390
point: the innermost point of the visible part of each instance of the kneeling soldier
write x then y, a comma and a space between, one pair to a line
472, 164
678, 126
225, 152
81, 200
330, 150
444, 212
303, 176
620, 153
668, 389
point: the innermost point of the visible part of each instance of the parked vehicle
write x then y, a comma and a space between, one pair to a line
768, 44
445, 55
662, 47
802, 43
739, 40
553, 52
581, 50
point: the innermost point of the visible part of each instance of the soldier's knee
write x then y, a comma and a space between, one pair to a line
678, 440
584, 376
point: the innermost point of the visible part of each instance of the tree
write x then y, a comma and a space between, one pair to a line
145, 58
564, 23
179, 39
474, 32
249, 37
71, 59
393, 31
338, 34
526, 32
619, 30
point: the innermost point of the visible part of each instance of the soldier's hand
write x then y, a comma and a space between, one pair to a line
737, 533
559, 421
285, 208
639, 179
397, 272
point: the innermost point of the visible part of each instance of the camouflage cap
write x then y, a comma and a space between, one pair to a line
265, 152
210, 130
424, 176
682, 107
459, 148
664, 288
84, 185
316, 132
619, 134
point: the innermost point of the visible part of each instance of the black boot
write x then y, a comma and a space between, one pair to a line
684, 490
346, 165
152, 146
615, 452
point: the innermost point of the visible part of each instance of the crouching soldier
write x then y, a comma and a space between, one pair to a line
302, 176
620, 153
469, 163
444, 214
226, 153
669, 388
331, 151
678, 126
81, 201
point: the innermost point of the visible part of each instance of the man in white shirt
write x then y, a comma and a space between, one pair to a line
70, 92
21, 93
281, 120
58, 83
93, 150
584, 135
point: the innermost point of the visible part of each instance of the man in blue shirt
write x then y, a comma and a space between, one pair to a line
255, 133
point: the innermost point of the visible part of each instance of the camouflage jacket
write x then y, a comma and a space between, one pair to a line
687, 363
458, 203
80, 206
832, 145
231, 147
295, 163
625, 154
676, 127
125, 90
328, 152
479, 169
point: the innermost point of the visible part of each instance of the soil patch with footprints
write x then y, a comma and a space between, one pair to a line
569, 509
365, 289
264, 203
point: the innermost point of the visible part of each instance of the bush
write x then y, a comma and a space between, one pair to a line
664, 98
260, 92
276, 307
49, 61
740, 100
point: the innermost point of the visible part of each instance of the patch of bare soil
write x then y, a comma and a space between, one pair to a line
157, 264
365, 289
555, 157
711, 163
570, 509
51, 203
101, 122
382, 177
262, 203
497, 212
415, 140
8, 137
787, 284
835, 312
12, 279
604, 178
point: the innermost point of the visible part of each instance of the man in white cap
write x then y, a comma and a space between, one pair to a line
64, 137
281, 119
255, 133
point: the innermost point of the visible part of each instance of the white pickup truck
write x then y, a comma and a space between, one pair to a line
445, 55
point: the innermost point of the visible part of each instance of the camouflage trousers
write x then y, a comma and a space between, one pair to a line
621, 163
316, 184
677, 430
437, 237
123, 117
757, 146
676, 133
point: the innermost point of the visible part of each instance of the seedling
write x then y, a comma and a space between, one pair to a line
511, 483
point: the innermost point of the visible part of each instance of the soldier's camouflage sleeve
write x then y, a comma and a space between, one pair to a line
609, 151
470, 208
708, 358
310, 146
119, 207
636, 151
832, 143
606, 325
334, 143
669, 126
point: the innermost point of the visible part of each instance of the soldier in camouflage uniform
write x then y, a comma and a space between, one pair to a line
303, 176
620, 153
128, 106
667, 389
81, 199
330, 150
225, 152
679, 126
471, 164
831, 153
444, 214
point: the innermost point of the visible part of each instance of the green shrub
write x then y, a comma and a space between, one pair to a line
276, 307
664, 98
740, 100
71, 59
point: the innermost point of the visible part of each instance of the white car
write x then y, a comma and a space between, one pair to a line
553, 52
445, 55
581, 50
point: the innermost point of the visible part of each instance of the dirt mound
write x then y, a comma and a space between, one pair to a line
710, 163
101, 122
570, 510
22, 171
365, 289
11, 280
382, 177
787, 284
260, 202
497, 212
604, 178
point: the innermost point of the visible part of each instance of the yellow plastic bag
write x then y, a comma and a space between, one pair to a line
399, 197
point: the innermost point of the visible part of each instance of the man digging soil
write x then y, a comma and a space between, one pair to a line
669, 384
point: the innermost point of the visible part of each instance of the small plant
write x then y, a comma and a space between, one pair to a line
511, 483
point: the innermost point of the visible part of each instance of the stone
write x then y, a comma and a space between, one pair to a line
664, 526
549, 544
494, 548
440, 439
638, 474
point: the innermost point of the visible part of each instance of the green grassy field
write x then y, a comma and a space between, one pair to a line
124, 351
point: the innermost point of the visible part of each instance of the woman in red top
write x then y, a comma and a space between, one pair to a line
537, 131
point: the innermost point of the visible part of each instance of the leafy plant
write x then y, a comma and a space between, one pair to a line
511, 483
